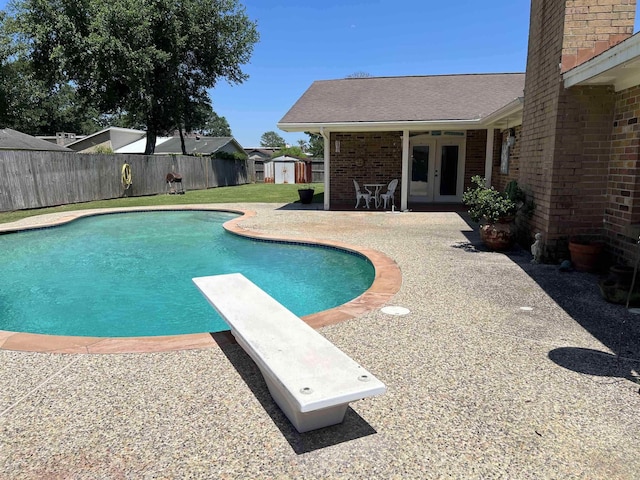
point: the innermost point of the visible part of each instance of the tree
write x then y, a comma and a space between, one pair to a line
290, 151
272, 139
29, 104
214, 126
153, 60
315, 145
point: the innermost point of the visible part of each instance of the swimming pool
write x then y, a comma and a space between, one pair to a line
129, 274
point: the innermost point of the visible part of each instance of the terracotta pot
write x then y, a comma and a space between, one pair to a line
584, 256
498, 236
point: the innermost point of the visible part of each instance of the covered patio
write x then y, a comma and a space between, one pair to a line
432, 133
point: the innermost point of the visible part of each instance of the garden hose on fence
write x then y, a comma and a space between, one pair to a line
126, 176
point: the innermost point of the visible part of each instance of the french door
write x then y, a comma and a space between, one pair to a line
436, 169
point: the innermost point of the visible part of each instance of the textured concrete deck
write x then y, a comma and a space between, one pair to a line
478, 387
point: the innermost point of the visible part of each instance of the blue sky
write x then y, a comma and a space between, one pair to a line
301, 42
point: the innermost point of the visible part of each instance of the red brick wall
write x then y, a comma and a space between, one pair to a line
591, 27
623, 187
365, 157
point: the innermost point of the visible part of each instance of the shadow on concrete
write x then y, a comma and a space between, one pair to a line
578, 294
593, 362
353, 426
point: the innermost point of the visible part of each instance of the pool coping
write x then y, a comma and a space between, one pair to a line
386, 283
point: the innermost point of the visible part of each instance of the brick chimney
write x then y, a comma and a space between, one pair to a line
591, 27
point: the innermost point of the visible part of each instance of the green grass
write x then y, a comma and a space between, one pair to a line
251, 193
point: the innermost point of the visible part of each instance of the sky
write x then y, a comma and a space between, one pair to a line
301, 42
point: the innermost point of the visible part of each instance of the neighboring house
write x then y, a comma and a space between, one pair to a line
572, 142
14, 140
260, 153
201, 146
256, 156
194, 146
61, 138
126, 140
111, 138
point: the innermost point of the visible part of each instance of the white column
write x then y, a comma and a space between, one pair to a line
327, 165
488, 162
404, 199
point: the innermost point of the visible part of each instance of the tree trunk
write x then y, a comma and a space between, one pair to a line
182, 145
151, 141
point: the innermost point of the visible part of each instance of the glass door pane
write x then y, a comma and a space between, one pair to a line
449, 170
419, 170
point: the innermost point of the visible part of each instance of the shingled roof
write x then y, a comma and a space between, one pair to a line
14, 140
405, 99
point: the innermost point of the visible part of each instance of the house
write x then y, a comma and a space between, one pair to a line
571, 140
108, 139
431, 132
14, 140
194, 145
127, 140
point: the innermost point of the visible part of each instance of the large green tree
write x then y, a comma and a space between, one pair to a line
152, 59
213, 125
272, 139
315, 145
31, 105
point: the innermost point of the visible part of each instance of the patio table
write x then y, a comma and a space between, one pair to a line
376, 194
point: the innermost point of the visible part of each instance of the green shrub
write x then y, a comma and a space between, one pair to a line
488, 203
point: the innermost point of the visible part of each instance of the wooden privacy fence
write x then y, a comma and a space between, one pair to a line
43, 179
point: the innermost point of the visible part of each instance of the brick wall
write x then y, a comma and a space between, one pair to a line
365, 157
476, 152
500, 180
591, 27
567, 132
623, 187
540, 110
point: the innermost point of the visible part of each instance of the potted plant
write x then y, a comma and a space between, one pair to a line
585, 251
306, 194
495, 211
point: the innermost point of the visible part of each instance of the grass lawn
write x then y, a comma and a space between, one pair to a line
251, 193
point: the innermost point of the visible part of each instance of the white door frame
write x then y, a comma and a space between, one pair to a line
435, 143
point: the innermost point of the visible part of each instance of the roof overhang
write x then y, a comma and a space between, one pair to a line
381, 126
618, 66
508, 116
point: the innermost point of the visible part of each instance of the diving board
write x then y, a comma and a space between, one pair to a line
310, 379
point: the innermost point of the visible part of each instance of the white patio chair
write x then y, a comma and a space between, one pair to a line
388, 195
361, 196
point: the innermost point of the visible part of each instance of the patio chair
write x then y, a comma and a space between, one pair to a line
361, 196
388, 195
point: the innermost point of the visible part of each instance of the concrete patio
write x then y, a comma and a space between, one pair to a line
478, 386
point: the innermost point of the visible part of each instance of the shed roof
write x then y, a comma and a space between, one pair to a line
405, 99
14, 140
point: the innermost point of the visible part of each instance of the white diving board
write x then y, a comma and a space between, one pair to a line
310, 379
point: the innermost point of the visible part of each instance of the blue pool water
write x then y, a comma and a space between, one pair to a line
130, 274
